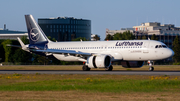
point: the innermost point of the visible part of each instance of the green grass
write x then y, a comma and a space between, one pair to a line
90, 83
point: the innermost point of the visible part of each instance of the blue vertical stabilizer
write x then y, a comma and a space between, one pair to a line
35, 33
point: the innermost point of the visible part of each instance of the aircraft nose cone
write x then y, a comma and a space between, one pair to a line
170, 53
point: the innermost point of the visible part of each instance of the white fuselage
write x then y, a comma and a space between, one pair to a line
128, 50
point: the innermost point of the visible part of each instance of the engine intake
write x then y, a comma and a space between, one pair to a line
99, 61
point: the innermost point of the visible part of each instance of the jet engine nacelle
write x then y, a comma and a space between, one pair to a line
132, 64
99, 61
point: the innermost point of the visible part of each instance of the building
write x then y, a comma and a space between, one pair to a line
65, 28
10, 34
165, 33
112, 32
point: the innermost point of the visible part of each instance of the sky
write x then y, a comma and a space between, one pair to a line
111, 14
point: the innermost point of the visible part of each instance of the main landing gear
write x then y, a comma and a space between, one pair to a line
86, 68
109, 68
150, 65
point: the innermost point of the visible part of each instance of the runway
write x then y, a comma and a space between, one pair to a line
93, 72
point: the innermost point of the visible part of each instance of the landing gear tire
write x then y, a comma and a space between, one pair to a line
151, 68
86, 68
110, 68
150, 65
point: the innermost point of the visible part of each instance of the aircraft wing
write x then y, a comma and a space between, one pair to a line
55, 51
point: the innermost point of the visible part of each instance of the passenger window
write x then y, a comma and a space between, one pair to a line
156, 46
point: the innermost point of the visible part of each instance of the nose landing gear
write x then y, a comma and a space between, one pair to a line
151, 68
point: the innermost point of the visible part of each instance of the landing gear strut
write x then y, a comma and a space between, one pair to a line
150, 65
86, 68
109, 68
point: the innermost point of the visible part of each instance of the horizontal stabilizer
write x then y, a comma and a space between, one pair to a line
21, 43
24, 47
14, 46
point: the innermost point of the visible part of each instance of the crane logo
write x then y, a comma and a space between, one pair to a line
34, 34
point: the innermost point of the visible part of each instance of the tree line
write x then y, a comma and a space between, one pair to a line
121, 36
127, 35
17, 56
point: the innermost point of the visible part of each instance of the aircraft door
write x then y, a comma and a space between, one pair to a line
145, 47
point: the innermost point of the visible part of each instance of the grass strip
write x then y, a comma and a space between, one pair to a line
90, 83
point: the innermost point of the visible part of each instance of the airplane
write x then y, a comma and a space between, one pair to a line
96, 54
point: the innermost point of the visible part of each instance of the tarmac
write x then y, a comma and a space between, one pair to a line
92, 72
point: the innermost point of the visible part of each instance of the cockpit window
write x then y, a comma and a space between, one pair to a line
160, 46
164, 46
